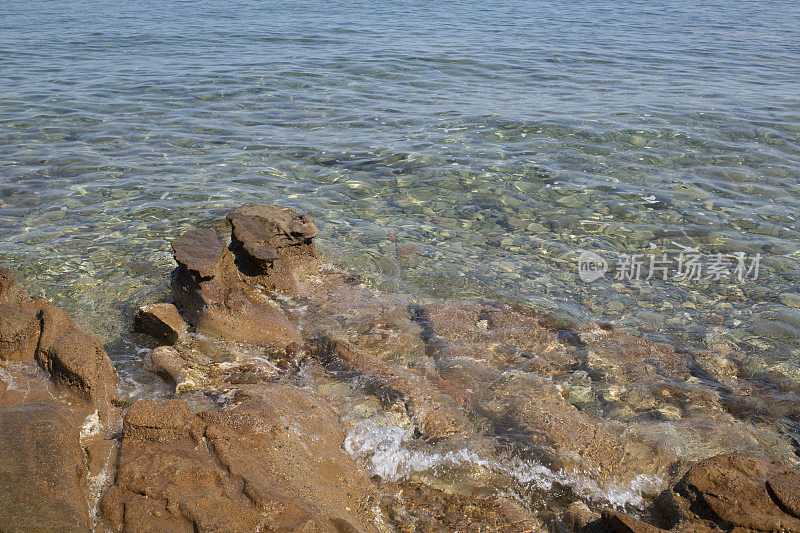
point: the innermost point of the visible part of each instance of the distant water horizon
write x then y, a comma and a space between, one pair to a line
468, 150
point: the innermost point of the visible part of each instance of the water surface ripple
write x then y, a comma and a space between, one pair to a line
448, 148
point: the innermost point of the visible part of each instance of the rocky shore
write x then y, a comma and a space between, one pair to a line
304, 400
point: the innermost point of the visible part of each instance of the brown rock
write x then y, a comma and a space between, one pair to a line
167, 362
577, 516
274, 462
24, 382
75, 361
240, 318
164, 422
199, 253
161, 320
261, 230
270, 243
19, 333
734, 491
209, 290
785, 490
620, 522
42, 471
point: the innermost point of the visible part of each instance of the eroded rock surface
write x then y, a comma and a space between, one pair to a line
270, 462
209, 288
162, 321
725, 492
457, 405
57, 393
734, 490
42, 470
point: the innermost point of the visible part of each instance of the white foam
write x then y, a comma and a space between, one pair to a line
90, 427
386, 450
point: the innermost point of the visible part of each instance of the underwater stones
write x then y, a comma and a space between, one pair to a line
435, 413
790, 299
567, 439
42, 472
161, 320
10, 290
415, 506
574, 201
498, 334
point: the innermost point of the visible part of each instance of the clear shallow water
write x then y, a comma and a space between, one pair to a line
457, 149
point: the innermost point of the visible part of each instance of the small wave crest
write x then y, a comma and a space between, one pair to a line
388, 452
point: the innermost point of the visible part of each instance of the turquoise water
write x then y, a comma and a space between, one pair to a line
450, 148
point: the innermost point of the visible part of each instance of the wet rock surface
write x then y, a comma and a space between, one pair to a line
725, 492
477, 398
57, 394
271, 461
305, 400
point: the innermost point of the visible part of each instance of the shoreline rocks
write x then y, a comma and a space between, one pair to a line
304, 400
57, 394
